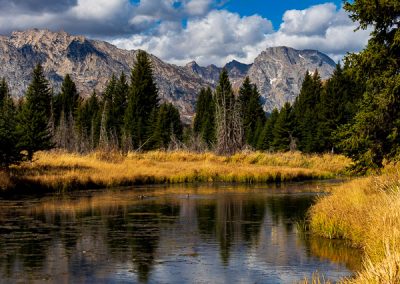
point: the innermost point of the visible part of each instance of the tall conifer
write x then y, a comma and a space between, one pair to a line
33, 126
142, 101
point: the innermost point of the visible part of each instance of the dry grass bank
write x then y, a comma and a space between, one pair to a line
59, 170
366, 212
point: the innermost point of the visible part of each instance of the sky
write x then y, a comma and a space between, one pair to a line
207, 31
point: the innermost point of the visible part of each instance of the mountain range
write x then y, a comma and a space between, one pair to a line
278, 72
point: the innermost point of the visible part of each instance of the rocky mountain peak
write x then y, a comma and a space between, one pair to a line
277, 71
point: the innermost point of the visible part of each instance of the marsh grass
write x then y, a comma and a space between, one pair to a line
366, 212
57, 170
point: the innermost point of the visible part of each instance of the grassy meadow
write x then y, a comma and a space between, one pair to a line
57, 170
366, 212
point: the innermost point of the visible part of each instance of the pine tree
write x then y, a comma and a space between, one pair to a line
142, 100
204, 121
283, 129
33, 126
338, 105
119, 105
266, 137
9, 152
306, 112
167, 125
229, 127
253, 115
64, 114
374, 134
88, 122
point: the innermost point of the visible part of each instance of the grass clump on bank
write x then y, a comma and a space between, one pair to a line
366, 212
63, 171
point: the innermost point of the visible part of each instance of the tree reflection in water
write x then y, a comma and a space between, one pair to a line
115, 236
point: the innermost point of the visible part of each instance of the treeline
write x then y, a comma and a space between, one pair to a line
126, 116
355, 112
309, 125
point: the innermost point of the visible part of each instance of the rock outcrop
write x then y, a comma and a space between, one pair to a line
278, 72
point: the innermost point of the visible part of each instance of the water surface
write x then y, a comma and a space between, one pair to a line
201, 234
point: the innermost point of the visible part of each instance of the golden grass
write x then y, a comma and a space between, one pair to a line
60, 170
366, 212
316, 278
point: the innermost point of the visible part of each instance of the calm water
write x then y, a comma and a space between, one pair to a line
219, 234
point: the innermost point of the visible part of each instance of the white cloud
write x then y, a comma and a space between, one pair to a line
320, 27
197, 7
221, 36
209, 35
218, 37
98, 9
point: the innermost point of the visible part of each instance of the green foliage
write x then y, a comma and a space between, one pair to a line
166, 126
88, 121
306, 113
266, 137
283, 129
33, 127
142, 100
338, 105
373, 134
204, 121
67, 100
253, 116
9, 153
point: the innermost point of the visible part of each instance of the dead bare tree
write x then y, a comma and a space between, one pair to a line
228, 119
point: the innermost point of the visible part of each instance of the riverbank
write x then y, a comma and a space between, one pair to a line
57, 170
366, 212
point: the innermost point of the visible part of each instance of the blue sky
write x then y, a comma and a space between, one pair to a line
207, 31
273, 10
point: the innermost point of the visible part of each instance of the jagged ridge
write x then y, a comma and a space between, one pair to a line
278, 72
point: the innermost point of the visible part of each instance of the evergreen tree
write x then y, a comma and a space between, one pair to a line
228, 119
119, 104
167, 125
204, 121
33, 126
266, 137
306, 112
67, 100
9, 152
88, 122
338, 105
283, 129
373, 135
253, 116
142, 100
64, 113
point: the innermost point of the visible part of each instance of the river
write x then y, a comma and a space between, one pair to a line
178, 234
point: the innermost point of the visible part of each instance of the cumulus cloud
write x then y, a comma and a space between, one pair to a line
221, 36
320, 27
216, 38
98, 18
34, 6
179, 31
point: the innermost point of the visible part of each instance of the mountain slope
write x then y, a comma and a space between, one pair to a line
278, 72
90, 63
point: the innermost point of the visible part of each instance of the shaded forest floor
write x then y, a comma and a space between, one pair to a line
367, 213
57, 170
